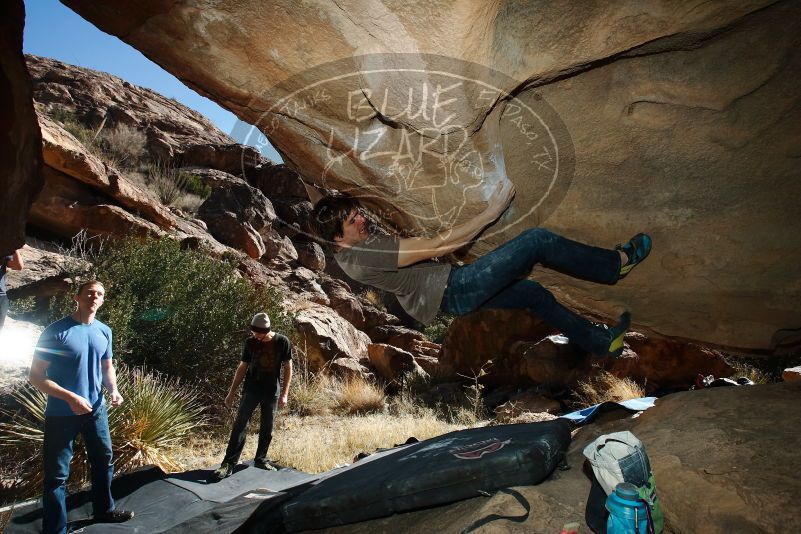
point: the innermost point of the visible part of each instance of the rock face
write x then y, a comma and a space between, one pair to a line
720, 466
688, 112
474, 339
327, 336
661, 363
792, 374
236, 215
393, 363
20, 139
93, 96
67, 155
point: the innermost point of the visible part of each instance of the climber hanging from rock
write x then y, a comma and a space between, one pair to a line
408, 268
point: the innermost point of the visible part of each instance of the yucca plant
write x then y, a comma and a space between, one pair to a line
158, 413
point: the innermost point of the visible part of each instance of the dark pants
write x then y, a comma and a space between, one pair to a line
251, 399
3, 310
59, 437
496, 281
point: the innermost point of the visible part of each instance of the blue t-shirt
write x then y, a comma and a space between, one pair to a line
75, 351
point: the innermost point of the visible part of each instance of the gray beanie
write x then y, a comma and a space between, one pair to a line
261, 321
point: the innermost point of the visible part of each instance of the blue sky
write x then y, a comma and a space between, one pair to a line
53, 30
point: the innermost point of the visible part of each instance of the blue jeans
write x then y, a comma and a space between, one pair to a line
251, 399
497, 280
59, 436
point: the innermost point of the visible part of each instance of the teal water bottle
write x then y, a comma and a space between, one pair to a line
628, 514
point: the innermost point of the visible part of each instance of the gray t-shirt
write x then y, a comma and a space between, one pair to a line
419, 287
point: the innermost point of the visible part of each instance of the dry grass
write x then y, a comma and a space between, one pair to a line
124, 143
322, 394
188, 202
606, 387
373, 296
757, 376
328, 421
319, 443
312, 394
358, 396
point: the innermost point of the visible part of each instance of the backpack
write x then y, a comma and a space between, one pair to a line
615, 458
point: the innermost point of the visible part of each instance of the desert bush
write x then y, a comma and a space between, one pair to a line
20, 308
121, 146
606, 387
188, 202
170, 183
311, 394
436, 330
157, 415
124, 143
69, 121
358, 396
165, 180
743, 369
193, 185
178, 312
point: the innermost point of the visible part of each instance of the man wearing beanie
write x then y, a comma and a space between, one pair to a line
265, 354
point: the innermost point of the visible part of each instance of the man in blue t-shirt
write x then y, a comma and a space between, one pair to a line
71, 363
15, 263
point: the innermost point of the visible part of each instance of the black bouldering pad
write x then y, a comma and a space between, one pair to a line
441, 470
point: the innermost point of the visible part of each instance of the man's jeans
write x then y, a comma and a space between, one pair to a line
251, 399
59, 436
495, 281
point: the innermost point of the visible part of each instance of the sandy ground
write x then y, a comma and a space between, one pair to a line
17, 340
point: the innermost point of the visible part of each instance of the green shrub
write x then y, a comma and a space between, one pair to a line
436, 330
158, 414
192, 184
170, 183
178, 312
83, 134
22, 308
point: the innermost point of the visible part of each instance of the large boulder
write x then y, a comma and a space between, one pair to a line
344, 302
20, 138
277, 181
664, 363
310, 254
551, 362
46, 274
393, 363
232, 158
474, 339
66, 207
409, 340
679, 118
236, 215
64, 153
293, 216
529, 401
325, 336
